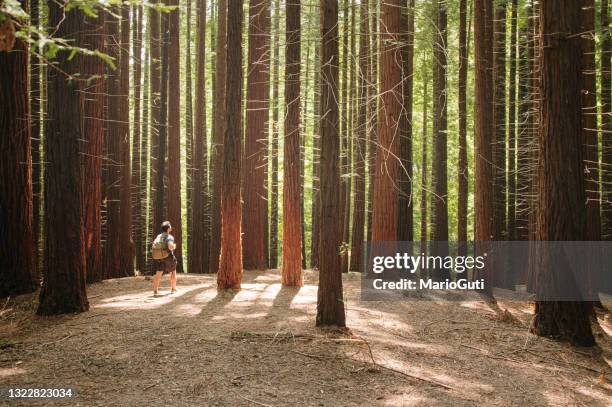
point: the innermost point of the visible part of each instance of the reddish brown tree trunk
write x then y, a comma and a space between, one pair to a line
462, 170
606, 122
484, 127
316, 163
93, 131
405, 221
64, 289
589, 121
512, 125
356, 262
385, 196
424, 178
200, 238
275, 140
292, 223
36, 114
174, 134
138, 193
258, 95
499, 147
230, 260
560, 170
218, 137
18, 272
330, 303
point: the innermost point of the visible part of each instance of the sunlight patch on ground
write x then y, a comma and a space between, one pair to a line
11, 371
145, 299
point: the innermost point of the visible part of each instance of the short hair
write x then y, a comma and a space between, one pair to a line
165, 226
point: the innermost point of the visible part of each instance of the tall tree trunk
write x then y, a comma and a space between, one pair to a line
138, 147
36, 114
174, 133
424, 178
64, 289
17, 250
405, 220
92, 93
385, 197
484, 128
316, 165
330, 303
462, 170
145, 163
200, 238
373, 133
560, 172
589, 121
230, 261
292, 224
522, 140
512, 125
606, 122
440, 153
189, 131
124, 230
218, 137
157, 125
499, 147
275, 140
258, 102
356, 263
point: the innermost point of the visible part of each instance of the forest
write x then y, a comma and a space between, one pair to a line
286, 142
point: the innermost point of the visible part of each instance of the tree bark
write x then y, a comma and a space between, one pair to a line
230, 260
606, 122
200, 238
405, 217
292, 212
218, 137
258, 103
18, 271
499, 147
64, 275
356, 263
385, 197
330, 303
462, 170
174, 133
561, 175
275, 140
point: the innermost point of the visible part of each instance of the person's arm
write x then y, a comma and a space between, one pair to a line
171, 244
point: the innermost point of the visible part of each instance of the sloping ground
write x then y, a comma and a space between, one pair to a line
259, 347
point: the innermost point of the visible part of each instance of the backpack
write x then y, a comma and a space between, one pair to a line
159, 248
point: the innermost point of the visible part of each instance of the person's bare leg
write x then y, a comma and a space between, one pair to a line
173, 281
156, 281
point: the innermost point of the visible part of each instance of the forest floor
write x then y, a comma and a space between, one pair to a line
259, 347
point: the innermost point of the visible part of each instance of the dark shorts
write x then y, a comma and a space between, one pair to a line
166, 265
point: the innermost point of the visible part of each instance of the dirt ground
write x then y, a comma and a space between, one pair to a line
259, 347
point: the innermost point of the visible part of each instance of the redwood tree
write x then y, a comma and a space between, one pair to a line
17, 249
330, 303
606, 121
174, 132
218, 137
292, 218
64, 274
258, 95
463, 171
561, 176
360, 141
230, 259
385, 196
200, 238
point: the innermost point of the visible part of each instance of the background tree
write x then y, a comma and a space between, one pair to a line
17, 249
255, 212
385, 196
200, 238
292, 218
